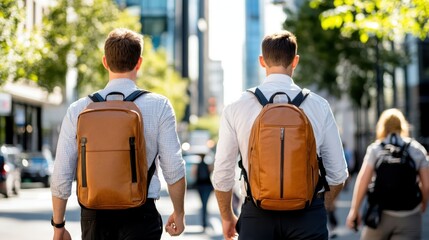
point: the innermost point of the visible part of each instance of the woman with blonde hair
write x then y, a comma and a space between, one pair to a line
403, 222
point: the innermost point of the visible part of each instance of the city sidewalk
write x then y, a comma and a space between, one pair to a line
194, 230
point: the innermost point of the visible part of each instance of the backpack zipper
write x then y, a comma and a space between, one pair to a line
83, 159
132, 141
282, 150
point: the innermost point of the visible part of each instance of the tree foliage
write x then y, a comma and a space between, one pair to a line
19, 50
385, 19
9, 18
157, 76
332, 61
75, 32
73, 35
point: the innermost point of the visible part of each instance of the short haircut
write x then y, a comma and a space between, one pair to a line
279, 49
122, 50
391, 121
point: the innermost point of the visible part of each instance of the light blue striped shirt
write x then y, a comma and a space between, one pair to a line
159, 131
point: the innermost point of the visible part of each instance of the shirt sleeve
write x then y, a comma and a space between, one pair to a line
226, 155
419, 154
169, 149
371, 154
331, 151
65, 159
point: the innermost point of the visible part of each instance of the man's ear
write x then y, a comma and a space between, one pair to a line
295, 61
105, 63
139, 63
262, 61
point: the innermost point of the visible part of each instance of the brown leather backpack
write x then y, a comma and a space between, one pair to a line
283, 163
112, 170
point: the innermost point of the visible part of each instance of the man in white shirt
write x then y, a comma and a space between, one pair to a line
123, 59
279, 58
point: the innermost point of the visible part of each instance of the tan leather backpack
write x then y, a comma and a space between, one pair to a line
283, 162
112, 170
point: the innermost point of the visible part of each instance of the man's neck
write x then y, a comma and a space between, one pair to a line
278, 70
128, 75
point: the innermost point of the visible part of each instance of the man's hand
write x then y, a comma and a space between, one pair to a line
61, 234
229, 220
175, 224
228, 226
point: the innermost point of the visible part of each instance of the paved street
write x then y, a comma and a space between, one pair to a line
27, 216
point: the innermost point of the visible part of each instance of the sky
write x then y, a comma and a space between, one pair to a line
226, 38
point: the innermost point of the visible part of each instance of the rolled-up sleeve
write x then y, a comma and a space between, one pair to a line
226, 155
332, 151
171, 161
65, 159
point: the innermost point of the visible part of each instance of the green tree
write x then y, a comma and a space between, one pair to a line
9, 19
77, 28
19, 50
157, 76
385, 19
333, 62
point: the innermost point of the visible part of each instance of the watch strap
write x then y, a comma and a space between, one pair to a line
57, 225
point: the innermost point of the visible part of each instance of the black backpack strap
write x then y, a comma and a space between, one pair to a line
322, 183
406, 154
151, 172
300, 97
96, 97
246, 179
259, 95
134, 95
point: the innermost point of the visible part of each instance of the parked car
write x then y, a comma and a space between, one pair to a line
10, 172
37, 167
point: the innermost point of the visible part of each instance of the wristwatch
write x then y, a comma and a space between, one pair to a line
57, 225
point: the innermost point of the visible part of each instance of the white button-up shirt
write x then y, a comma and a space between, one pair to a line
236, 124
159, 130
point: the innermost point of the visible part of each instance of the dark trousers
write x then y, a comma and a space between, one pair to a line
204, 190
131, 224
309, 224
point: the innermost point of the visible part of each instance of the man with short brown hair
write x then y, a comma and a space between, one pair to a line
122, 60
279, 58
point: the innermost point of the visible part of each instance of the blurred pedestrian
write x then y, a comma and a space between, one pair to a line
279, 58
122, 60
202, 172
398, 213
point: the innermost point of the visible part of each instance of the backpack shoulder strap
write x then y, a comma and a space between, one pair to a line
151, 172
300, 97
134, 95
96, 97
259, 95
244, 175
406, 154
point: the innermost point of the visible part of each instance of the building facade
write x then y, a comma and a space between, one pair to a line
23, 104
